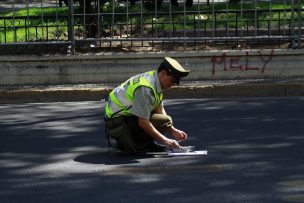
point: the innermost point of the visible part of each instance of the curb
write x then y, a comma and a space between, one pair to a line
243, 90
178, 92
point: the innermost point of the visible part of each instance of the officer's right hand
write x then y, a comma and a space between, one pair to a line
172, 144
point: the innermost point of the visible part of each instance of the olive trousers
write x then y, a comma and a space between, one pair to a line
132, 138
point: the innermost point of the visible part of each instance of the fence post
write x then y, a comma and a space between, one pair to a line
71, 36
292, 25
299, 23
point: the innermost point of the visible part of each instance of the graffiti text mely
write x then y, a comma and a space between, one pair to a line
241, 63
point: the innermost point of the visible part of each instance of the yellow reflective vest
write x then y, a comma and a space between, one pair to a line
122, 97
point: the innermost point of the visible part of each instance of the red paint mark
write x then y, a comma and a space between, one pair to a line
266, 61
236, 63
215, 61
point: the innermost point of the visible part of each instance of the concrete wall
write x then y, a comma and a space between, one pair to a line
113, 68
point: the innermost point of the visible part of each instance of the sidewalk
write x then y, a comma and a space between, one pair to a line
192, 89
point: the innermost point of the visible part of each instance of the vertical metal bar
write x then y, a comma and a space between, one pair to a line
98, 19
213, 20
36, 29
5, 38
121, 27
199, 18
242, 18
28, 21
270, 18
163, 29
84, 19
71, 25
113, 18
279, 23
127, 30
25, 30
57, 21
184, 26
292, 24
141, 22
255, 18
299, 24
236, 24
215, 24
173, 26
131, 29
196, 29
227, 19
155, 17
247, 27
47, 31
284, 19
170, 19
14, 28
42, 21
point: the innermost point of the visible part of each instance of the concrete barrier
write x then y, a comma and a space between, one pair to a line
55, 94
116, 67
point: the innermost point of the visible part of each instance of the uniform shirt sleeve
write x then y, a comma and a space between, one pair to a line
142, 103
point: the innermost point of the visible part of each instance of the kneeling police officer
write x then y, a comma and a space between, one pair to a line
135, 115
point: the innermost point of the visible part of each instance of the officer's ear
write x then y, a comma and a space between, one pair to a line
163, 72
162, 75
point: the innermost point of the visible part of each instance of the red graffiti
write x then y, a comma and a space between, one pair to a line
241, 63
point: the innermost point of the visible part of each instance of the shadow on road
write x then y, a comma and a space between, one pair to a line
109, 158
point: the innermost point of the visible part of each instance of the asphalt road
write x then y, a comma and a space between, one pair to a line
56, 152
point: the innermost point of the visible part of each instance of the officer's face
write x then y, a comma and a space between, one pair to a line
167, 80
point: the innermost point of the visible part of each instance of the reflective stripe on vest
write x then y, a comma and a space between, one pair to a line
121, 98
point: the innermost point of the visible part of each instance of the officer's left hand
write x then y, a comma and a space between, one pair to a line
178, 134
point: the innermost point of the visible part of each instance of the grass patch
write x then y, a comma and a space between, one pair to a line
46, 11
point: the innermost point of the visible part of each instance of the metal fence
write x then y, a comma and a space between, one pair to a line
152, 24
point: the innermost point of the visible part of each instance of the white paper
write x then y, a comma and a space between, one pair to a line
194, 153
183, 149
